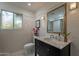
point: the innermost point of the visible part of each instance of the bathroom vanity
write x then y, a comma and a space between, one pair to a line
51, 47
56, 24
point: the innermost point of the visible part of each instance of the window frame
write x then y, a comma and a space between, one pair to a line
13, 19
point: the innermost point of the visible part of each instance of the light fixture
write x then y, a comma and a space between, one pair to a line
29, 4
73, 5
42, 17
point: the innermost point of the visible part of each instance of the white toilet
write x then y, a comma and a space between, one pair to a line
29, 49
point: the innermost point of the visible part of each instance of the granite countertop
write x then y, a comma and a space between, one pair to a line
53, 42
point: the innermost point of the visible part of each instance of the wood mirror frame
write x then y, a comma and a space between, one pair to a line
65, 21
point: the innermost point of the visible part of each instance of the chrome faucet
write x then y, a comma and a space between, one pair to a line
51, 36
58, 37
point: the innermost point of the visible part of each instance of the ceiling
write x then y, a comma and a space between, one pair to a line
35, 5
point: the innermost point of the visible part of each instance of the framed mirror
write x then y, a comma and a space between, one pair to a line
37, 23
56, 22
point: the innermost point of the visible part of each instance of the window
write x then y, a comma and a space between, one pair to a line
17, 21
7, 20
10, 20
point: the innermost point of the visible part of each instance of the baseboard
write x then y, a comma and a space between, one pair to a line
4, 54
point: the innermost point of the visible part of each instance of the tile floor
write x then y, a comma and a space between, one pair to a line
18, 53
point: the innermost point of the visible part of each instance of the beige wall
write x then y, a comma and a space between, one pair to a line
72, 26
14, 40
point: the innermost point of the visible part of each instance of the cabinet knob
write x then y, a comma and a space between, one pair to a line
48, 49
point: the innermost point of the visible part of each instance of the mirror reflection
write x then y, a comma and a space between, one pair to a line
56, 20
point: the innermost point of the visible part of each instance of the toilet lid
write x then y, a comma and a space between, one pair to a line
29, 44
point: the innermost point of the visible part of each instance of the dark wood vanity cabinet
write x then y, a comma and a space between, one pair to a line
43, 49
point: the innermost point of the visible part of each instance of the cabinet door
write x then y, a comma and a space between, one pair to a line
53, 51
44, 49
65, 51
